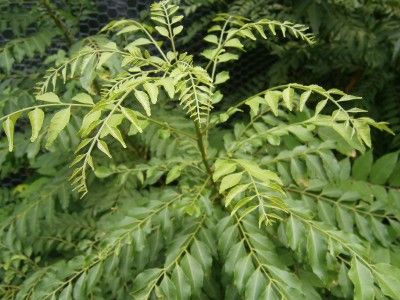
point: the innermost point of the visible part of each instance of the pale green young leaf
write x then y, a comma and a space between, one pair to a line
36, 118
221, 77
162, 31
132, 117
48, 97
272, 99
261, 174
288, 96
59, 121
152, 90
83, 98
235, 192
8, 126
303, 99
229, 181
320, 106
114, 131
103, 148
168, 85
223, 167
177, 30
144, 101
234, 43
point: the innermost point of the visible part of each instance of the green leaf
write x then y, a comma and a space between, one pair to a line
103, 148
255, 285
348, 98
79, 287
162, 30
344, 281
144, 279
48, 97
66, 294
144, 101
168, 85
83, 98
211, 38
234, 192
363, 131
272, 99
234, 43
221, 77
320, 106
269, 293
243, 270
294, 231
230, 181
93, 276
130, 28
132, 117
193, 271
152, 90
362, 166
173, 174
36, 118
303, 99
222, 168
362, 279
202, 254
388, 278
89, 121
181, 283
288, 96
177, 30
8, 126
59, 121
168, 288
344, 219
114, 131
383, 167
316, 251
261, 174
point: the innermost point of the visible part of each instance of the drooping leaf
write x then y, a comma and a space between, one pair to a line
36, 118
57, 123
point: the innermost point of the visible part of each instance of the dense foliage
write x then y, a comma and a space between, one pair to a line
357, 50
179, 192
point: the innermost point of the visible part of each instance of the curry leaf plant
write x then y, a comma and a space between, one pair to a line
277, 197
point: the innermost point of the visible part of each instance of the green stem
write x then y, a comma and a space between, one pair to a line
202, 149
59, 22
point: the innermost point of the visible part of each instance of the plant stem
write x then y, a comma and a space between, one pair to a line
202, 149
59, 22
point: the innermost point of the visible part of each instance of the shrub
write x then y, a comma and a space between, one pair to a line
263, 200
